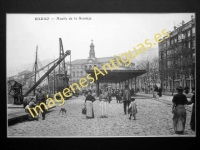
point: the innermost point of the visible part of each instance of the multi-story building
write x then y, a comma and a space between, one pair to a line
80, 65
177, 57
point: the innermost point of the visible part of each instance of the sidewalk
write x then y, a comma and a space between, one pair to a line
167, 93
164, 97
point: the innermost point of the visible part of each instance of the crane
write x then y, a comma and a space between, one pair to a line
15, 88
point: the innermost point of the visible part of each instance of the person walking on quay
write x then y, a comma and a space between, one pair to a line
103, 98
89, 105
155, 91
192, 120
179, 111
41, 98
132, 109
132, 92
120, 96
117, 95
160, 91
126, 98
109, 94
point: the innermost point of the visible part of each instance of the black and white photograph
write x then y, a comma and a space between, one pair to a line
101, 75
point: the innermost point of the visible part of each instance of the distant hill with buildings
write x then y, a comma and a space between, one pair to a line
14, 70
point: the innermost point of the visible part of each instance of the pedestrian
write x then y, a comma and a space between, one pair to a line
155, 91
178, 109
192, 120
41, 98
85, 95
126, 98
89, 105
117, 95
132, 92
103, 98
132, 109
109, 95
160, 92
120, 96
31, 105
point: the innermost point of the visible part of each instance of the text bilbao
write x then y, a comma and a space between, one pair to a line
124, 59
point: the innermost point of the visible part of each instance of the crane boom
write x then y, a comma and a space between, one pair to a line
41, 69
68, 52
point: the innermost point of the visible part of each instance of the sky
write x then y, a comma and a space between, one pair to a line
112, 33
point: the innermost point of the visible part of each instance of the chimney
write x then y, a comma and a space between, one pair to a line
192, 17
183, 22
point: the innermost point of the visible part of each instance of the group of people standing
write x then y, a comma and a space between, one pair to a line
125, 95
178, 107
37, 100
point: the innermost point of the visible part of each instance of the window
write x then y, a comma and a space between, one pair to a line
183, 35
171, 41
168, 42
175, 40
73, 74
179, 37
189, 44
193, 56
164, 44
193, 30
181, 60
81, 73
169, 64
161, 55
186, 45
193, 43
188, 33
90, 66
77, 73
168, 53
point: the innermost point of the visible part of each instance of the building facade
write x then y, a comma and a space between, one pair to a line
79, 66
177, 57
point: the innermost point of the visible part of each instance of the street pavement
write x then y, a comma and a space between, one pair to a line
154, 118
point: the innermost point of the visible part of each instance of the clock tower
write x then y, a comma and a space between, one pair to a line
92, 52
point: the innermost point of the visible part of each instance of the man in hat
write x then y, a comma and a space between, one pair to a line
41, 98
126, 98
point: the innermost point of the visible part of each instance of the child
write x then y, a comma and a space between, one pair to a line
132, 109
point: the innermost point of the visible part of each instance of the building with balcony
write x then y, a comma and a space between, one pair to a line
177, 57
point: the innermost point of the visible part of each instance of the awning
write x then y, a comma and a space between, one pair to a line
116, 75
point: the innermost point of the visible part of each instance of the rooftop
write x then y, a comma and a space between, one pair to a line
117, 75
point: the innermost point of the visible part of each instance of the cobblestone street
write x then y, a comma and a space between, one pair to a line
153, 119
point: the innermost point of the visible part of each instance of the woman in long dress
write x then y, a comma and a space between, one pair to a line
89, 105
178, 109
103, 98
120, 96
